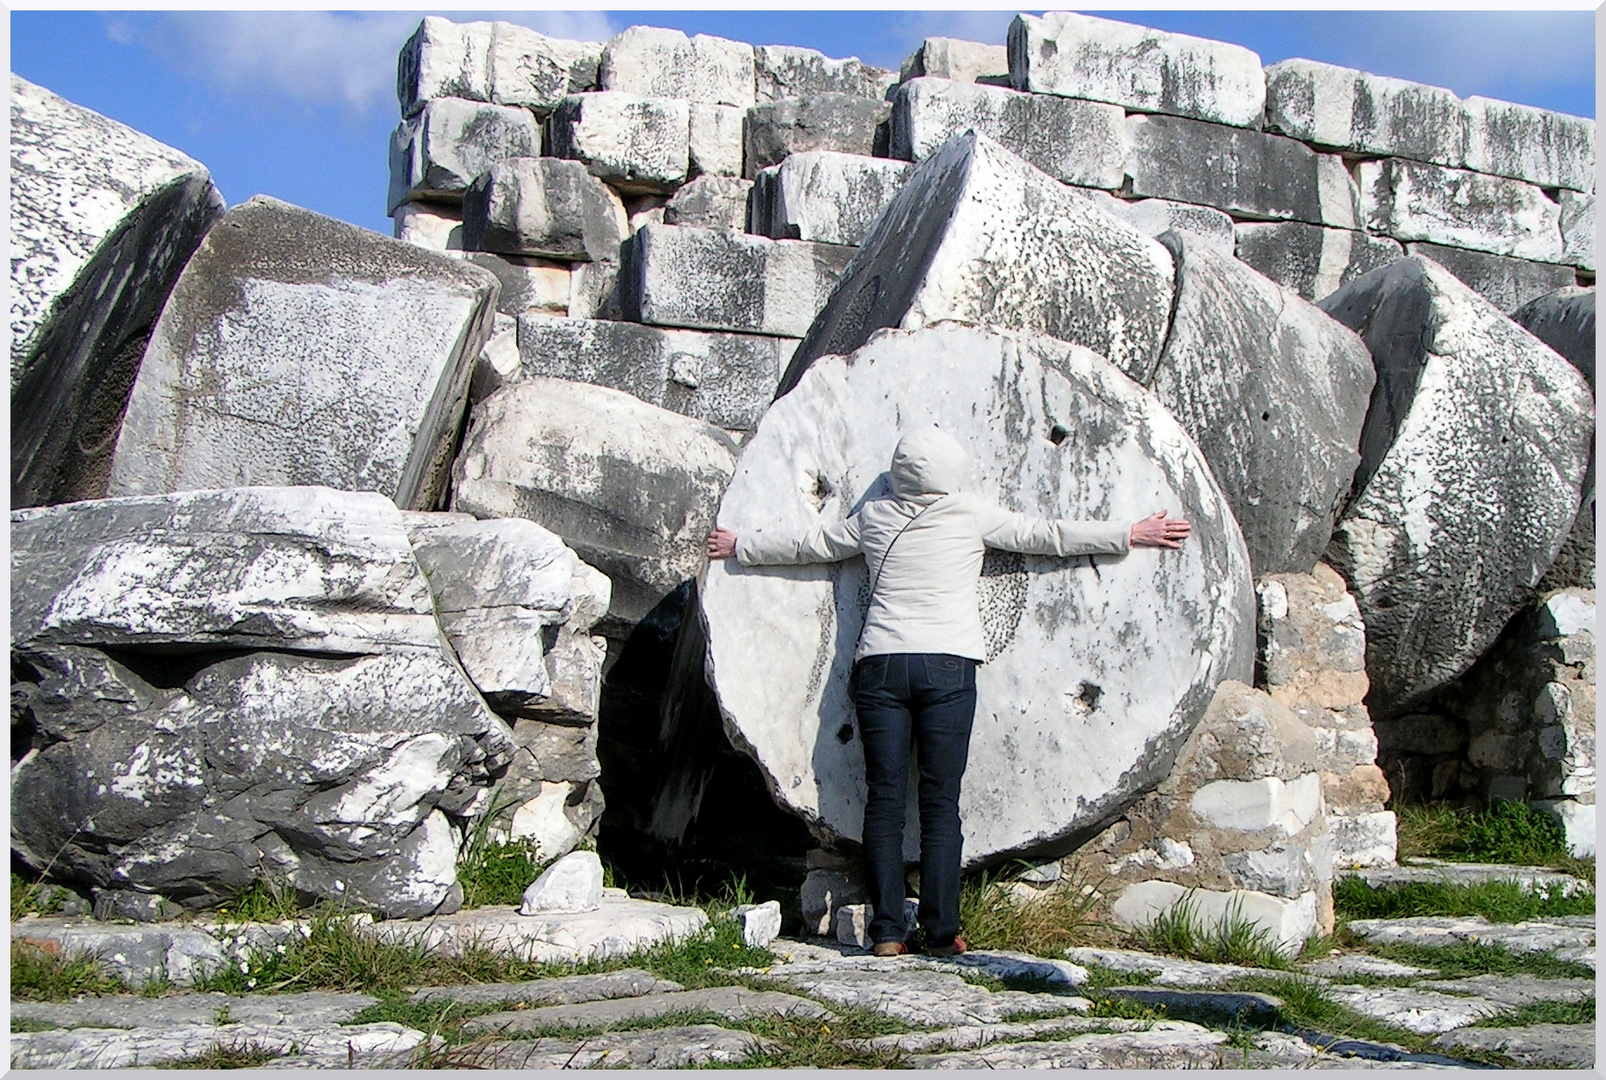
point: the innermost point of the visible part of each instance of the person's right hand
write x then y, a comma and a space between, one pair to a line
1157, 530
721, 544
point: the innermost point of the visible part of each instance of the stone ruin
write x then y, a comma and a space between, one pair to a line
328, 548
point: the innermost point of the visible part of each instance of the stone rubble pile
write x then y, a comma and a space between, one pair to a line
375, 532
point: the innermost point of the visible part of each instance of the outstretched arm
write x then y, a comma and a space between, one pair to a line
1041, 536
822, 543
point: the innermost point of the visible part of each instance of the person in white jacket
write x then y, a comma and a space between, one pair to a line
914, 673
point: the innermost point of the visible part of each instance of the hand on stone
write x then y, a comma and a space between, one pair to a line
1157, 530
721, 544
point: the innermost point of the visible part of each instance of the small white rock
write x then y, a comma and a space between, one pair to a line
571, 885
761, 923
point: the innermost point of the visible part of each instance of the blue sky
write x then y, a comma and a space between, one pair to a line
300, 104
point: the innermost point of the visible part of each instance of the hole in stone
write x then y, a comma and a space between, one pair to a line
1090, 694
844, 734
1265, 416
822, 488
1058, 434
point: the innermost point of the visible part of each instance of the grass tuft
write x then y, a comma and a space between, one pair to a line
265, 901
1180, 931
1468, 958
1497, 901
498, 873
45, 972
1544, 1012
1045, 925
1508, 832
246, 1055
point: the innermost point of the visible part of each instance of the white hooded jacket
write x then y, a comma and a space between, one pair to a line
925, 598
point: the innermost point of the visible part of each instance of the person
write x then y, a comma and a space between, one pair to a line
914, 672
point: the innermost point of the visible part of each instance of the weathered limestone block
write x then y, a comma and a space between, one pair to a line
571, 885
1472, 460
1078, 142
1155, 216
1140, 69
1412, 201
1240, 819
637, 144
163, 759
1248, 173
653, 62
711, 202
778, 129
436, 154
825, 196
528, 284
1547, 148
594, 291
962, 61
497, 586
715, 139
631, 487
429, 225
498, 62
1505, 282
1124, 710
1578, 230
1346, 109
283, 319
498, 362
977, 235
102, 221
785, 71
555, 816
713, 279
1577, 821
546, 207
1273, 392
1312, 261
726, 380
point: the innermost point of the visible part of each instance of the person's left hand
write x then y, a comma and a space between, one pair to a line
721, 544
1159, 531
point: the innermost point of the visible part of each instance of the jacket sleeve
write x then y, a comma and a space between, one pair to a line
822, 543
1043, 536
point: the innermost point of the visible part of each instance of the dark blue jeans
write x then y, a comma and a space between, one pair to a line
927, 700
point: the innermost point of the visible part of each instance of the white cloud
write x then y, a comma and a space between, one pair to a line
319, 58
986, 27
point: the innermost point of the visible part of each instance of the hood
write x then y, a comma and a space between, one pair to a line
927, 464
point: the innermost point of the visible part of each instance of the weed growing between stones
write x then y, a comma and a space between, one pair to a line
497, 873
1098, 978
1180, 931
1045, 925
1508, 832
1497, 901
45, 972
1467, 958
246, 1055
264, 901
1544, 1012
20, 1025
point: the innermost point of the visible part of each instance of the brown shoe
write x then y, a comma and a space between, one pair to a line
889, 948
955, 949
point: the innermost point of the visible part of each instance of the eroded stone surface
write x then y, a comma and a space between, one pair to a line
786, 71
1411, 200
1516, 990
1476, 430
1414, 1009
1312, 261
438, 153
570, 886
710, 202
1077, 142
1342, 967
283, 319
126, 1011
564, 990
714, 139
619, 927
1351, 110
108, 1048
657, 1048
545, 207
840, 122
1175, 1048
730, 1002
1578, 230
838, 429
653, 62
1547, 148
977, 235
1140, 69
826, 196
962, 61
637, 144
502, 63
1506, 282
102, 220
1565, 1046
1155, 216
1167, 970
1569, 938
1526, 878
921, 996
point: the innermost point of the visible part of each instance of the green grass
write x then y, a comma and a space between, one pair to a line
497, 873
1045, 925
47, 973
1467, 958
227, 1056
1497, 901
1509, 832
1544, 1012
1181, 931
265, 901
1098, 978
19, 1025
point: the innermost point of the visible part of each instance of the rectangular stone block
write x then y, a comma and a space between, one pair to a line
1155, 216
594, 291
704, 279
785, 71
528, 284
1312, 261
824, 196
435, 226
1508, 283
637, 144
1363, 839
1246, 173
649, 61
498, 62
1410, 200
1140, 69
727, 380
1346, 109
1550, 149
961, 61
543, 207
1077, 142
1578, 230
710, 202
715, 139
850, 125
436, 154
